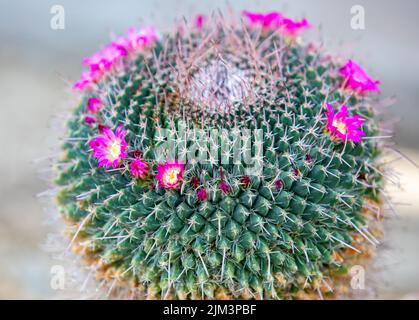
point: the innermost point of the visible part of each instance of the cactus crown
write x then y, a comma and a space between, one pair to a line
157, 199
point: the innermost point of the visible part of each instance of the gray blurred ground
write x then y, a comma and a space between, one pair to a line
37, 63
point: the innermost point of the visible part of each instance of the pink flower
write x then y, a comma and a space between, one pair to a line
170, 174
291, 27
245, 181
139, 168
99, 63
195, 182
94, 104
202, 194
87, 80
279, 184
104, 59
89, 120
136, 40
109, 147
357, 79
260, 19
342, 126
148, 35
224, 187
199, 21
275, 20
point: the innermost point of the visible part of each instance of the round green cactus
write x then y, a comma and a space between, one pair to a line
210, 162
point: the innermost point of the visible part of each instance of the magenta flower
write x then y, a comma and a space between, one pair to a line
109, 147
199, 21
291, 27
195, 182
89, 120
136, 40
94, 104
276, 21
87, 80
104, 59
357, 79
170, 174
139, 168
224, 187
279, 184
342, 126
245, 181
148, 36
260, 19
202, 194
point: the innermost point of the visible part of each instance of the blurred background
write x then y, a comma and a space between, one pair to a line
38, 64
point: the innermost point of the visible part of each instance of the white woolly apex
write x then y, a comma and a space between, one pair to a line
218, 85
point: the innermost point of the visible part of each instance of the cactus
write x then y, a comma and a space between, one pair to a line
157, 203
